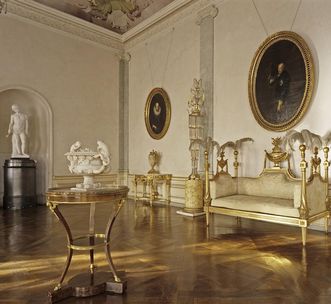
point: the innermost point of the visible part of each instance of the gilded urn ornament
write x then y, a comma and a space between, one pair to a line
154, 159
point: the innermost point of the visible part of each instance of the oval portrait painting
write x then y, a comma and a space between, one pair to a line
281, 81
157, 113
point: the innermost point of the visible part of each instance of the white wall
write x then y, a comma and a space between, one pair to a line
149, 68
78, 80
238, 34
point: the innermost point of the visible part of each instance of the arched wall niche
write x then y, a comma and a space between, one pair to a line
40, 119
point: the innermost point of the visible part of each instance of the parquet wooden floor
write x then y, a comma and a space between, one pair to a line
168, 258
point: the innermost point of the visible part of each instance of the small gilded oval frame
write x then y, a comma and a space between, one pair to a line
281, 81
157, 113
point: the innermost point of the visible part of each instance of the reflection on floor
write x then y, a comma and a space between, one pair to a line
168, 258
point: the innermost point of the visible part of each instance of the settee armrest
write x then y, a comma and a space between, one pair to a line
316, 195
223, 185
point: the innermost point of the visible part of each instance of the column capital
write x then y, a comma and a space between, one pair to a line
209, 11
125, 56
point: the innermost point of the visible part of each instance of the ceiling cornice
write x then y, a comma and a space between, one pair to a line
33, 11
160, 15
117, 43
191, 9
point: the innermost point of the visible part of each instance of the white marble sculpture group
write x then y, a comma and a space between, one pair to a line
84, 161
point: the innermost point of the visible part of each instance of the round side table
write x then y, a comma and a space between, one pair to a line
92, 282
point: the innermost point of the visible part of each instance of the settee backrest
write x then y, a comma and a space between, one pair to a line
271, 184
223, 185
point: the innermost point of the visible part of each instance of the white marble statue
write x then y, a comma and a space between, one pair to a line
19, 129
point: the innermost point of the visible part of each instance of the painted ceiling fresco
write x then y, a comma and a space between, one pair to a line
116, 15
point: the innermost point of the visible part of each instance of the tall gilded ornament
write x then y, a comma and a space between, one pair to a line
196, 124
194, 184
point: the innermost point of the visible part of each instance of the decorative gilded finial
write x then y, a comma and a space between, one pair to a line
222, 163
277, 155
197, 99
315, 162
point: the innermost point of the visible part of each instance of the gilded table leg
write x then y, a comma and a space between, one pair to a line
326, 223
144, 189
168, 192
107, 246
304, 235
58, 214
59, 293
151, 193
238, 221
91, 236
135, 191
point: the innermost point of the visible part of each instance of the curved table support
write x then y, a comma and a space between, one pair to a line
107, 244
94, 283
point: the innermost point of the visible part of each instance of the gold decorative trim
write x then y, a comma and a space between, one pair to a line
167, 106
299, 42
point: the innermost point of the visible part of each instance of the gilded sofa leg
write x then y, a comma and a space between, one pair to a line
304, 235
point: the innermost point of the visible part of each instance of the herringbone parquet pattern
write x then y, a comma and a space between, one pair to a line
168, 258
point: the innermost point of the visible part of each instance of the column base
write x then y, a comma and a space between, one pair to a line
191, 213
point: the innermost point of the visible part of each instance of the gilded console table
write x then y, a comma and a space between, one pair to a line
151, 182
92, 282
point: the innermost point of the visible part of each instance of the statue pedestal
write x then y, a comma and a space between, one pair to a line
19, 183
193, 198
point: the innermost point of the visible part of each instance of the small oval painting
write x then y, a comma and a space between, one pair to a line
157, 113
281, 81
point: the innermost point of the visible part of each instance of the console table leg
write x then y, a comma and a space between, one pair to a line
304, 235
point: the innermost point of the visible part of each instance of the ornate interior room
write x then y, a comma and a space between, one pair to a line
165, 151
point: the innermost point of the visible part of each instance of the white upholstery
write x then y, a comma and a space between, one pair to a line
223, 185
263, 204
272, 193
272, 184
316, 196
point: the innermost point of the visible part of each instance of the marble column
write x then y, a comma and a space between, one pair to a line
123, 140
205, 20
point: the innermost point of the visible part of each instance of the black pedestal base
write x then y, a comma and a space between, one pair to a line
19, 183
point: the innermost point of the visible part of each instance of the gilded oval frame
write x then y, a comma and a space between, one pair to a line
157, 121
289, 49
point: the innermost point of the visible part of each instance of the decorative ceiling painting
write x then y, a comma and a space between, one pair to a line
116, 15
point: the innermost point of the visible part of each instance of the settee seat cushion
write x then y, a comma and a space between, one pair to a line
262, 204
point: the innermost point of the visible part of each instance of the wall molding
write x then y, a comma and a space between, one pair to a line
123, 178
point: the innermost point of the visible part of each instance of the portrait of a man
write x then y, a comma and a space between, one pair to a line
281, 81
157, 113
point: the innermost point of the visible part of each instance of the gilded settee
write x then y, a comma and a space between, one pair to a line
276, 195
